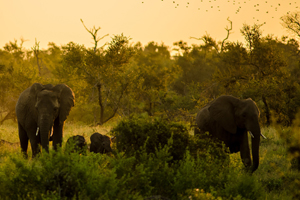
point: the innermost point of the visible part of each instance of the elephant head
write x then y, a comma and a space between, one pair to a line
229, 119
40, 109
100, 143
52, 105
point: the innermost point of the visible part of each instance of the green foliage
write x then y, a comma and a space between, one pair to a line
59, 176
157, 158
121, 79
197, 65
155, 72
206, 147
99, 76
200, 174
133, 133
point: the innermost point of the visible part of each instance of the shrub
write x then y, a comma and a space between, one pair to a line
134, 133
62, 176
210, 149
242, 186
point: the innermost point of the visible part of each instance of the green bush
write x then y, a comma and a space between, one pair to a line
242, 186
62, 176
134, 133
209, 147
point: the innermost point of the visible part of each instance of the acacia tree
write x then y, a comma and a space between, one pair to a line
103, 70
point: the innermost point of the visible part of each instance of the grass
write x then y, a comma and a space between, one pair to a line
274, 179
72, 129
9, 133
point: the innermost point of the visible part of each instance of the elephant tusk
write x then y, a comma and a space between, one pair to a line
263, 136
37, 130
251, 134
51, 133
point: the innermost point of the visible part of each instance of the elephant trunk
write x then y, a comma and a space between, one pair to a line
255, 152
255, 133
45, 127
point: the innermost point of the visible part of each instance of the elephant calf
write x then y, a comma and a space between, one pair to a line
100, 143
76, 143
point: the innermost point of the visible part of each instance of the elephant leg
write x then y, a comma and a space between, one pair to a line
57, 134
34, 141
245, 150
23, 140
35, 148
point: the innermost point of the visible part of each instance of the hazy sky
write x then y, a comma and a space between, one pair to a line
164, 21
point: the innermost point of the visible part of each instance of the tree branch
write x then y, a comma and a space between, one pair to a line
93, 32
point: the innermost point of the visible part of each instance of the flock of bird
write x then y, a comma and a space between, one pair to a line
269, 7
235, 2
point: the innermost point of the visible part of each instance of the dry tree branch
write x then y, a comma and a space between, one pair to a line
94, 32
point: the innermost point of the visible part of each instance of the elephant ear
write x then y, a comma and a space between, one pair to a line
34, 90
66, 100
222, 111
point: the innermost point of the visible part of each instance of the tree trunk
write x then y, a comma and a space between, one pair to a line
100, 103
267, 111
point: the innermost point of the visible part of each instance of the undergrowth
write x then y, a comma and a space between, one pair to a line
148, 169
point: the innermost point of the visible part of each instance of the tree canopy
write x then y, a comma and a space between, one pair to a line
121, 78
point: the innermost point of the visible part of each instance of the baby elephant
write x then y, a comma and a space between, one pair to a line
76, 143
100, 143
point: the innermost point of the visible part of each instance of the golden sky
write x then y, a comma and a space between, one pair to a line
164, 21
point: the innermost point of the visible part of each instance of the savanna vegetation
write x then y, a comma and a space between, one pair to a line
150, 95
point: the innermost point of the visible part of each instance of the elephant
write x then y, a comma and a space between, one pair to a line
228, 119
39, 109
77, 144
100, 143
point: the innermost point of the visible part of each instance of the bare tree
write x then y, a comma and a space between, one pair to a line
94, 32
212, 43
292, 22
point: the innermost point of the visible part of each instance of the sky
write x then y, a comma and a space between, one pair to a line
161, 21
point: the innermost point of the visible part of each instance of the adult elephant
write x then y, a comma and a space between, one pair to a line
39, 109
229, 119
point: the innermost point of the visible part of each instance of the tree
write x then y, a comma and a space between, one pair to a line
103, 70
197, 64
292, 22
261, 72
16, 74
156, 73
